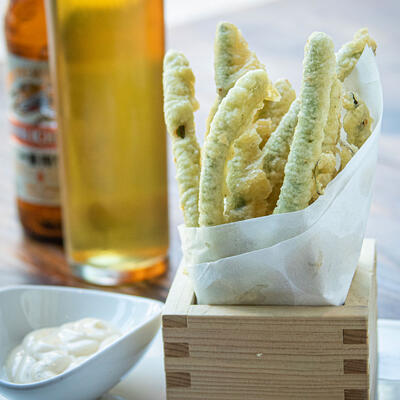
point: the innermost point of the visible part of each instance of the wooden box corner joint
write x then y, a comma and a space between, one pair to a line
269, 352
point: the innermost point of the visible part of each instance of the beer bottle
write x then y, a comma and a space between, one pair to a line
32, 120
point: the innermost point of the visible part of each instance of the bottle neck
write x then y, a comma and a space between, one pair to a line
25, 29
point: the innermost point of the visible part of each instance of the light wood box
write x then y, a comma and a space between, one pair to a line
273, 352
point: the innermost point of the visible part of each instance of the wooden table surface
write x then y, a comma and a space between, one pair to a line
277, 32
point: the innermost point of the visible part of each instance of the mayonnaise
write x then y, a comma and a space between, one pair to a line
48, 352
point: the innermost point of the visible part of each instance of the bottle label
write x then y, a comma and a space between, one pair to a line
33, 130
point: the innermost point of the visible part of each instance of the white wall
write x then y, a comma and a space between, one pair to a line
177, 12
182, 11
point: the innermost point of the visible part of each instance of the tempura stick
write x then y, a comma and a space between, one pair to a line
325, 169
275, 110
333, 125
318, 73
234, 116
350, 52
264, 129
276, 151
347, 152
179, 106
233, 59
248, 186
346, 60
357, 122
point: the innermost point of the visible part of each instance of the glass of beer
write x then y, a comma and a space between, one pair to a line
106, 62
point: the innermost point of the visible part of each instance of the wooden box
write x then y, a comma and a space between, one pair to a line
273, 352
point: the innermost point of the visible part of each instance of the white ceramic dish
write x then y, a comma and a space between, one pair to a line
26, 308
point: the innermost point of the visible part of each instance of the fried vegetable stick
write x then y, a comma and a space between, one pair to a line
347, 151
349, 53
234, 116
318, 74
275, 110
179, 106
211, 115
333, 125
248, 186
325, 169
264, 129
357, 122
346, 60
233, 59
276, 151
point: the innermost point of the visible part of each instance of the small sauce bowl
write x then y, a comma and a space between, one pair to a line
30, 307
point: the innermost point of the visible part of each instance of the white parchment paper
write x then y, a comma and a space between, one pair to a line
306, 257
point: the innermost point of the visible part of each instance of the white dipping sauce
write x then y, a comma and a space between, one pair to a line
48, 352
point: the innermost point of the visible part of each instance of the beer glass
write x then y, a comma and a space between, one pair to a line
106, 63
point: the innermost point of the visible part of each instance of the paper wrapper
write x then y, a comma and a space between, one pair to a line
306, 257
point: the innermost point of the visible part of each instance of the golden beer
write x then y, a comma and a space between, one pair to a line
107, 63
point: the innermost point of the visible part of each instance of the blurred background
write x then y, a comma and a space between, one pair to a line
276, 30
176, 11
